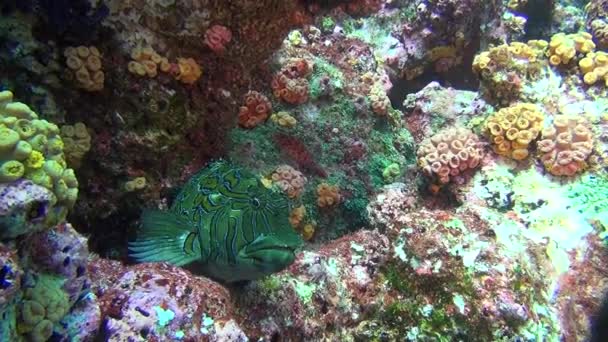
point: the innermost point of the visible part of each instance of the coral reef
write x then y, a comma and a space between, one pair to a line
372, 118
159, 302
322, 294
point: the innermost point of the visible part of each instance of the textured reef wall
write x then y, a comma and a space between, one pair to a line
444, 160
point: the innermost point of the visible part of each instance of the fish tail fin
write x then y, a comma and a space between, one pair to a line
164, 236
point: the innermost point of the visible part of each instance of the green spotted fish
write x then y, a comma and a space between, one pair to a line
224, 222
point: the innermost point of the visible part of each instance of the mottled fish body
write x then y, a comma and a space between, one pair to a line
226, 221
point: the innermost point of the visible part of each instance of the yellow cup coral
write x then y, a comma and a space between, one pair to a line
32, 149
297, 215
512, 129
135, 184
308, 231
284, 119
594, 67
502, 69
564, 47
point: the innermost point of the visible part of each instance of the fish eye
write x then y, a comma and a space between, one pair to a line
255, 202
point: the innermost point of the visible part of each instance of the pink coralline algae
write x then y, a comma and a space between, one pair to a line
443, 252
343, 277
581, 289
158, 299
217, 37
389, 209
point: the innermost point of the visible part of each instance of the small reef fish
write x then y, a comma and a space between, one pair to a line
223, 224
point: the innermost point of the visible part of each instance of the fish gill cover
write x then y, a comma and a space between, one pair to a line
362, 170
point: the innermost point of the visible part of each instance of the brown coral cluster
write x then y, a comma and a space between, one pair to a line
289, 180
77, 142
597, 21
512, 129
297, 215
327, 195
290, 83
449, 153
566, 145
256, 110
84, 63
146, 62
379, 100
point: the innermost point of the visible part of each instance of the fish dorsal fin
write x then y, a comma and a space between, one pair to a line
165, 236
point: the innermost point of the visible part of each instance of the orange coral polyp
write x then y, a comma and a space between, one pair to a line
290, 83
256, 110
520, 154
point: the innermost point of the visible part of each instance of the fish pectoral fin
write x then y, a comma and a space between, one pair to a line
164, 236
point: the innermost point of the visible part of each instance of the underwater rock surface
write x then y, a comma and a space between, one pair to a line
444, 161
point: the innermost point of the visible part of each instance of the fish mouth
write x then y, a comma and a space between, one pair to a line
278, 248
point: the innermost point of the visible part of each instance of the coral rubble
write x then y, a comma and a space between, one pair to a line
445, 163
